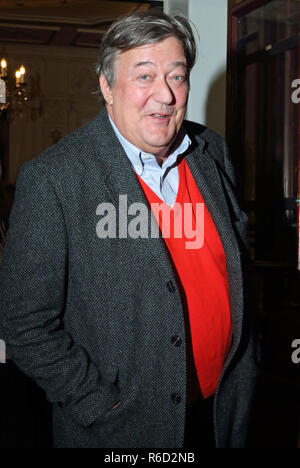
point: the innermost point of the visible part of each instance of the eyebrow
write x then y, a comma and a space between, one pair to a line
174, 64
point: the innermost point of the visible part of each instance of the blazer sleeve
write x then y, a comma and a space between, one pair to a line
33, 278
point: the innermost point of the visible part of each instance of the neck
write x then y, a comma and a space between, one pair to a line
161, 158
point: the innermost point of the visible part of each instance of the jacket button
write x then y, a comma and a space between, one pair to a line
170, 286
176, 341
175, 398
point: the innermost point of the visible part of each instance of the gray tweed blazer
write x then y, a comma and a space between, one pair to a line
91, 320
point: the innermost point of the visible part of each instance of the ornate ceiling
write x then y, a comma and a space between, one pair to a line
66, 23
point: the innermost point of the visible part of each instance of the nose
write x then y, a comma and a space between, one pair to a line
162, 92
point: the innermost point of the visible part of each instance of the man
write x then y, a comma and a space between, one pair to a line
138, 339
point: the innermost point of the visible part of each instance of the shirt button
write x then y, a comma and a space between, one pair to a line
176, 341
175, 398
170, 286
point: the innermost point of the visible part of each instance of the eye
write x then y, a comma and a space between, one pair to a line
179, 78
144, 77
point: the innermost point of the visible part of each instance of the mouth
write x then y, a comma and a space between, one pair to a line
160, 117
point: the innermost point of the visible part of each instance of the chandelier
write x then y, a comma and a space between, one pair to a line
13, 92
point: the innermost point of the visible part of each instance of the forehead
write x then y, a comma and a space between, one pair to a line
168, 52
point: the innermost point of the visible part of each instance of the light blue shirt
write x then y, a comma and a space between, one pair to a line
163, 180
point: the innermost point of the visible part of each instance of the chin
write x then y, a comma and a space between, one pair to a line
158, 147
160, 143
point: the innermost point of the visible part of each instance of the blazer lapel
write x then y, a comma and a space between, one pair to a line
121, 180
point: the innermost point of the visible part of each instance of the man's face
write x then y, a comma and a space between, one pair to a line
148, 100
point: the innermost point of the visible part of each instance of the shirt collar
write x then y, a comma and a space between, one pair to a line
139, 159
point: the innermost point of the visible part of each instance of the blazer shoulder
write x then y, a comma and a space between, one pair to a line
211, 141
199, 131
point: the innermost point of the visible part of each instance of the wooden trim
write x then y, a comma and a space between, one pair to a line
236, 9
246, 6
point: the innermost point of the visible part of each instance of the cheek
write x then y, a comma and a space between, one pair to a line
140, 99
134, 98
181, 97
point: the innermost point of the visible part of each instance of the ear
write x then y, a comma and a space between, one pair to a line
106, 90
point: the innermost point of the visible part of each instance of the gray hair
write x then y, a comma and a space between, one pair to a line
139, 29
